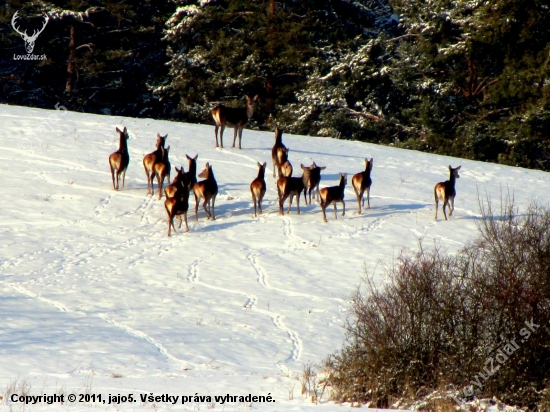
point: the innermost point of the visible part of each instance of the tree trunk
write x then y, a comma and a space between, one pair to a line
72, 58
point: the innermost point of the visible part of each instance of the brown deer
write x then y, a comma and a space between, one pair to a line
361, 182
446, 192
333, 195
206, 189
288, 186
150, 160
312, 178
286, 169
120, 159
170, 191
178, 205
162, 169
233, 117
192, 173
279, 153
258, 188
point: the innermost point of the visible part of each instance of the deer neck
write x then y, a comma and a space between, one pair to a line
261, 173
249, 110
452, 180
123, 144
342, 184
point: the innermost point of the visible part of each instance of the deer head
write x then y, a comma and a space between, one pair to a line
29, 40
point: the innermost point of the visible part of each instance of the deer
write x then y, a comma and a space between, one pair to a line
258, 188
288, 186
279, 153
312, 178
150, 160
178, 204
192, 173
162, 169
233, 117
333, 195
120, 159
29, 40
446, 192
361, 182
206, 189
170, 191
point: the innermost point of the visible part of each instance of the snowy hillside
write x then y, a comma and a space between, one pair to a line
95, 298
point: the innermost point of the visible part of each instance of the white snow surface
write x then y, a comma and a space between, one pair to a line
95, 298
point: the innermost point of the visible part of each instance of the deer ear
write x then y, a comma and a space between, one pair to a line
118, 130
450, 167
195, 158
323, 167
458, 167
265, 165
159, 136
303, 167
259, 164
188, 157
125, 129
256, 97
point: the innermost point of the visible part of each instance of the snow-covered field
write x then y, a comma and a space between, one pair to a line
95, 298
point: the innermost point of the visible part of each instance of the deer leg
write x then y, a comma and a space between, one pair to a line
216, 134
260, 201
147, 176
112, 175
179, 218
436, 203
368, 196
323, 207
123, 177
159, 185
196, 209
208, 215
445, 203
196, 206
118, 179
289, 204
452, 207
254, 200
240, 136
185, 218
344, 208
298, 202
222, 128
235, 134
335, 217
213, 207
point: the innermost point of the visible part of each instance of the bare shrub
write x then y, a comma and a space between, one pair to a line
442, 320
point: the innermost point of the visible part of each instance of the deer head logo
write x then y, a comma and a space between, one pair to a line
29, 40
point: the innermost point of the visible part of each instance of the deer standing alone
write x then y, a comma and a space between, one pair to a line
288, 186
233, 117
178, 204
333, 195
446, 192
279, 153
361, 182
311, 178
258, 188
120, 159
150, 160
206, 189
